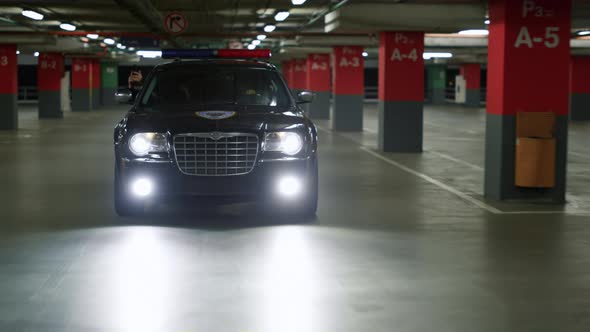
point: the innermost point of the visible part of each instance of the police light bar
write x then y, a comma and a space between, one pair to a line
215, 53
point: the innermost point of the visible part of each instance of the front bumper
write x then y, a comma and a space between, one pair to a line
167, 179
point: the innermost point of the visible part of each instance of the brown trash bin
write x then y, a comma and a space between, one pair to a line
535, 150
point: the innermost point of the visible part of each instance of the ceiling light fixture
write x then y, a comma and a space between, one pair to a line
92, 36
149, 54
251, 47
474, 32
431, 55
17, 52
584, 33
109, 41
487, 21
281, 15
67, 27
32, 14
365, 54
121, 46
298, 2
255, 42
36, 54
131, 49
269, 28
261, 37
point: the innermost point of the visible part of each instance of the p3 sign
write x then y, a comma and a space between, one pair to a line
175, 23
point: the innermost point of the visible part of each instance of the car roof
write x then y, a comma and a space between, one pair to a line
217, 62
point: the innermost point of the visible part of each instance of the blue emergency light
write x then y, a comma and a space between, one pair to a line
205, 53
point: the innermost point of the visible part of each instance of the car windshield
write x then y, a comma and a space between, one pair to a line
200, 85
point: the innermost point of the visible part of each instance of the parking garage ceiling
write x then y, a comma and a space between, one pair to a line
313, 24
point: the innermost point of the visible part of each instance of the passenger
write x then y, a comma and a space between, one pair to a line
135, 81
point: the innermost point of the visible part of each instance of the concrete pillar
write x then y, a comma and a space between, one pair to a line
401, 91
291, 74
318, 81
436, 83
528, 71
471, 73
8, 87
96, 93
348, 89
109, 82
580, 88
50, 70
81, 84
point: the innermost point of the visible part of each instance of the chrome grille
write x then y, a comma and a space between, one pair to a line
216, 153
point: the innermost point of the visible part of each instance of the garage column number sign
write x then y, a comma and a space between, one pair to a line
406, 49
537, 35
350, 58
175, 23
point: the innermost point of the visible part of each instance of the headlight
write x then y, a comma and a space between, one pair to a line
143, 143
285, 141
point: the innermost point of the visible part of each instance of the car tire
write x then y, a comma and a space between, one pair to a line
310, 205
124, 207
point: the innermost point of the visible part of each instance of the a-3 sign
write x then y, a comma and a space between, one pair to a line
175, 23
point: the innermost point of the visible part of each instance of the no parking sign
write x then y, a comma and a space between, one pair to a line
175, 23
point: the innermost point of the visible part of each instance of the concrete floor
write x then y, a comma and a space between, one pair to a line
401, 242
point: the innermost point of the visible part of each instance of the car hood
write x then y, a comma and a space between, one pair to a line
191, 121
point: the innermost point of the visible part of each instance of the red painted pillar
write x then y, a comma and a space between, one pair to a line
401, 91
580, 88
471, 73
528, 71
81, 84
285, 70
291, 74
299, 75
96, 84
318, 81
348, 88
50, 69
8, 87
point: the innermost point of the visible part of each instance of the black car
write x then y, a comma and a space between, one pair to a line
226, 129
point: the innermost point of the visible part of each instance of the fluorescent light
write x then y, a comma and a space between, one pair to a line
431, 55
36, 54
149, 54
583, 33
261, 37
269, 28
298, 2
17, 52
109, 41
121, 46
67, 27
365, 54
92, 36
487, 21
131, 48
281, 15
255, 42
251, 47
32, 15
474, 32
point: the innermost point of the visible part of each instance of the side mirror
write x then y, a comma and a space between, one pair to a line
305, 97
124, 96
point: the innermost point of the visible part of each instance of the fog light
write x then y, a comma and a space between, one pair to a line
142, 187
289, 186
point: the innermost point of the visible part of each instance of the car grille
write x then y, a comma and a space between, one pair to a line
216, 154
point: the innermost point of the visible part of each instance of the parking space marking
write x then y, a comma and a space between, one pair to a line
466, 197
458, 161
435, 182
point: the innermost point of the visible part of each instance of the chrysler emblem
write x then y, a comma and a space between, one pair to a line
215, 135
215, 115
